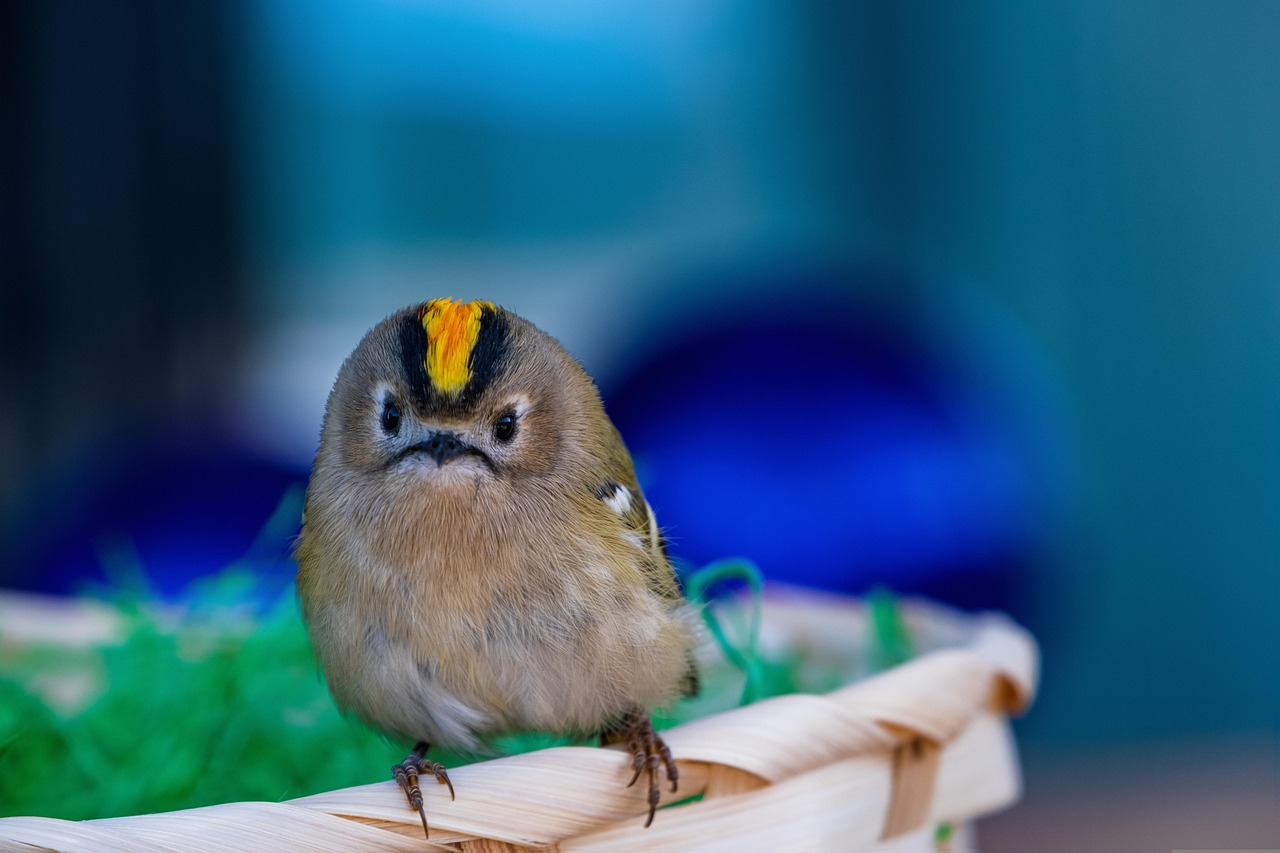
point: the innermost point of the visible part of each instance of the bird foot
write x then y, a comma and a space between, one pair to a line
648, 753
406, 776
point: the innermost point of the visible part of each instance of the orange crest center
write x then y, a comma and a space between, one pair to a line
452, 328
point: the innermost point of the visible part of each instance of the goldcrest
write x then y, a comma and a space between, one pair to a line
476, 555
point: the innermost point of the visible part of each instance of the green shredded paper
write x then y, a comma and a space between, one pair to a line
217, 700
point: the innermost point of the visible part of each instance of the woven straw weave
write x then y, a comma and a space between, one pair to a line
876, 765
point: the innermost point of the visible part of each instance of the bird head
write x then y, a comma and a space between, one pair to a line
459, 396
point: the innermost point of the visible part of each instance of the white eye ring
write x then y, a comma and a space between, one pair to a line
389, 412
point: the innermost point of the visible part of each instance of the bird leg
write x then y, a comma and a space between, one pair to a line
647, 751
406, 775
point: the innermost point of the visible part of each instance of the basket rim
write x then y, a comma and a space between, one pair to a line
902, 737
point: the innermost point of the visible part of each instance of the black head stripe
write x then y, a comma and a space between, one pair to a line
489, 352
413, 358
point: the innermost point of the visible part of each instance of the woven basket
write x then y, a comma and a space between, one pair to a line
879, 765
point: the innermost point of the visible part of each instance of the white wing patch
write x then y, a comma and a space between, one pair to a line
620, 500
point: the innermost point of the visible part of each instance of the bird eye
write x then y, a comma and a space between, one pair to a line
390, 418
504, 429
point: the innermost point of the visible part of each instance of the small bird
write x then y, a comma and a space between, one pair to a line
476, 555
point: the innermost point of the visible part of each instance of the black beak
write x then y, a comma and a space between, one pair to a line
443, 447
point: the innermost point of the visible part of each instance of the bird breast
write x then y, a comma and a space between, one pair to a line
471, 626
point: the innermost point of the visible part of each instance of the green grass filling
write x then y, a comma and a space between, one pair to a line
220, 701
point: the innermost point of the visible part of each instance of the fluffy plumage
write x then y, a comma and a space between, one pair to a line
477, 556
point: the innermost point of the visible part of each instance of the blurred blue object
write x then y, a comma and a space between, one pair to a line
167, 506
839, 443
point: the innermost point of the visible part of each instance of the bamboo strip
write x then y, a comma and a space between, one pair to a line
723, 781
978, 773
915, 769
542, 797
932, 696
27, 834
750, 739
837, 807
261, 826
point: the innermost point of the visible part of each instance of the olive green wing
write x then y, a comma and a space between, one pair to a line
642, 530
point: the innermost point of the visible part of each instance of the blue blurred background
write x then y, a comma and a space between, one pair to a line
974, 300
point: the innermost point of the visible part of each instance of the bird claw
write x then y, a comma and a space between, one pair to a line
406, 775
648, 753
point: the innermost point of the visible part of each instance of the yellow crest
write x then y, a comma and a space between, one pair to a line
452, 328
